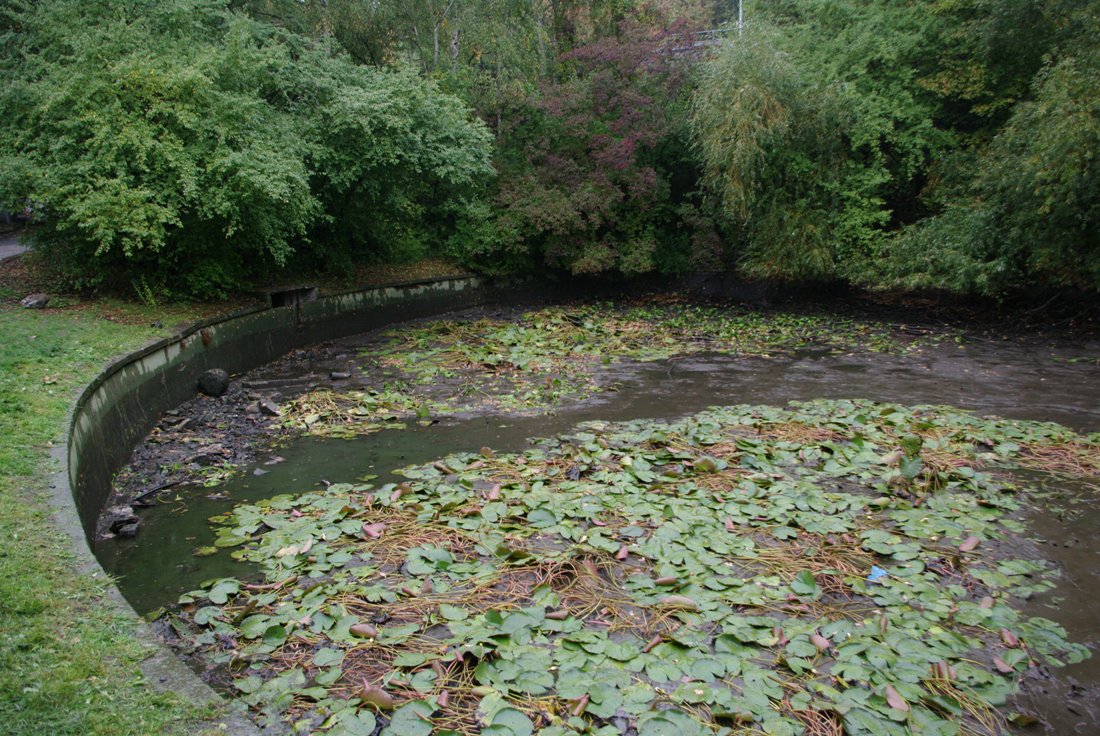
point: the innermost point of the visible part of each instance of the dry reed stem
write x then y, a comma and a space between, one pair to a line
800, 433
982, 720
1076, 458
819, 722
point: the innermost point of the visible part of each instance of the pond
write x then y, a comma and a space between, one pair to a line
804, 359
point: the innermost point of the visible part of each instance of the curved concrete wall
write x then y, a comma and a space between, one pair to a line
122, 404
117, 409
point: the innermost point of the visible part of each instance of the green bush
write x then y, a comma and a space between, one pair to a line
196, 147
1030, 213
898, 142
816, 132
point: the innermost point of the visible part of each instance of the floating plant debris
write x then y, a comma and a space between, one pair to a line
490, 593
539, 359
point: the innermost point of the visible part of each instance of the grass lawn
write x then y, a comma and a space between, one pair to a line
70, 662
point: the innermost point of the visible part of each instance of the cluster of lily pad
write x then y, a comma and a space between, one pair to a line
539, 359
830, 567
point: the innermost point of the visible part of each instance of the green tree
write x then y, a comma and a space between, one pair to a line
1031, 212
799, 156
596, 176
830, 126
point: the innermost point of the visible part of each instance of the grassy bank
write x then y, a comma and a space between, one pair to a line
70, 662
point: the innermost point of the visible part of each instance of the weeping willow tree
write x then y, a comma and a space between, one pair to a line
776, 142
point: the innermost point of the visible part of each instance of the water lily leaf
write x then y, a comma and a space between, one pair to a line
231, 540
423, 680
492, 702
374, 531
670, 723
411, 719
799, 517
328, 678
679, 601
911, 444
353, 723
326, 657
801, 648
969, 544
249, 684
604, 700
910, 467
509, 722
275, 635
892, 458
541, 518
453, 613
621, 651
412, 659
426, 560
397, 634
805, 585
363, 631
895, 700
220, 591
207, 615
340, 631
706, 464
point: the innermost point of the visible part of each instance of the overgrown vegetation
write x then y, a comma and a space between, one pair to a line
927, 144
829, 567
1026, 207
187, 147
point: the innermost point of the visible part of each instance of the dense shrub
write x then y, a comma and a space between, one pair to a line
947, 145
186, 146
816, 133
1029, 213
191, 147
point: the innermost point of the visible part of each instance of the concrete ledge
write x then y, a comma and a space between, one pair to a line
121, 405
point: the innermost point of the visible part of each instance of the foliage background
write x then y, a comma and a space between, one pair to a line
193, 146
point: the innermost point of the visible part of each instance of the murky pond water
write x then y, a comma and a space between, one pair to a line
989, 376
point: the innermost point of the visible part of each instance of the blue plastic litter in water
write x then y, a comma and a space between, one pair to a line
876, 573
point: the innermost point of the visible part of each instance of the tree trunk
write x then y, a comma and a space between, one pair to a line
435, 46
454, 50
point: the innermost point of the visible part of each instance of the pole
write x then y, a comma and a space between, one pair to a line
740, 16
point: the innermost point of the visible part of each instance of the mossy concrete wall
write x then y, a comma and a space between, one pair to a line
123, 403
